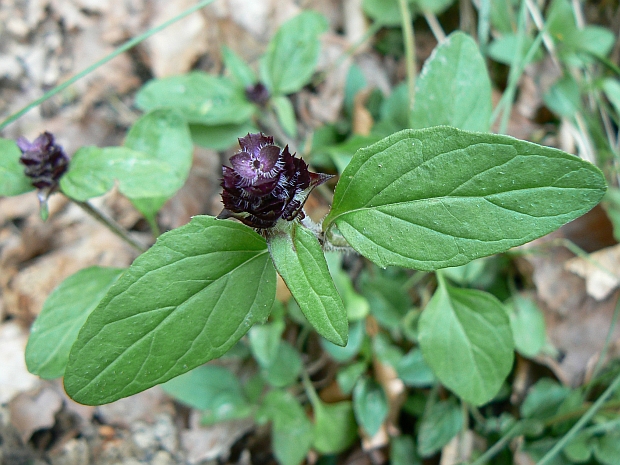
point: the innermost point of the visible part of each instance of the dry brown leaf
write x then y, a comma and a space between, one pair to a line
459, 449
31, 411
600, 272
14, 376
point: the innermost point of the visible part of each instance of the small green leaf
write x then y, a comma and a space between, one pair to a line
213, 389
504, 49
347, 377
239, 69
200, 97
285, 113
528, 326
63, 314
612, 91
580, 448
385, 12
544, 399
402, 451
454, 88
357, 306
441, 197
285, 368
292, 53
299, 259
220, 137
265, 342
414, 371
164, 135
466, 339
433, 6
439, 425
292, 430
607, 448
185, 301
354, 344
13, 181
93, 172
370, 405
334, 426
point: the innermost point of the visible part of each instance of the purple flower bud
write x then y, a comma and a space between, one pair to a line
266, 183
45, 162
257, 93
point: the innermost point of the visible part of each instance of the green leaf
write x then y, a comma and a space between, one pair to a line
504, 49
414, 371
402, 451
454, 88
164, 135
347, 377
285, 368
63, 314
607, 448
292, 430
466, 339
370, 405
292, 53
435, 7
528, 326
439, 425
356, 305
334, 426
387, 297
354, 344
200, 97
564, 97
185, 301
580, 448
544, 399
385, 12
213, 389
441, 197
93, 172
13, 181
220, 137
299, 259
612, 91
285, 113
265, 342
239, 69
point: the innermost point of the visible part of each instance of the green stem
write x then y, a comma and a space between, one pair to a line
123, 48
581, 423
484, 24
110, 224
409, 40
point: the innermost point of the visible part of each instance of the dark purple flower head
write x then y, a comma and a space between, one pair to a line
257, 93
45, 162
266, 183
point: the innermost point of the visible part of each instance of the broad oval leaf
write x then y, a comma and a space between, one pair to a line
292, 53
200, 97
299, 259
63, 314
453, 88
440, 197
13, 181
213, 389
164, 135
185, 301
370, 405
441, 422
466, 339
93, 172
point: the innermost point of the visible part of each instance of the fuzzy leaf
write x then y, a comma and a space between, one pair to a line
466, 339
292, 54
185, 301
13, 181
454, 88
63, 314
299, 259
440, 197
